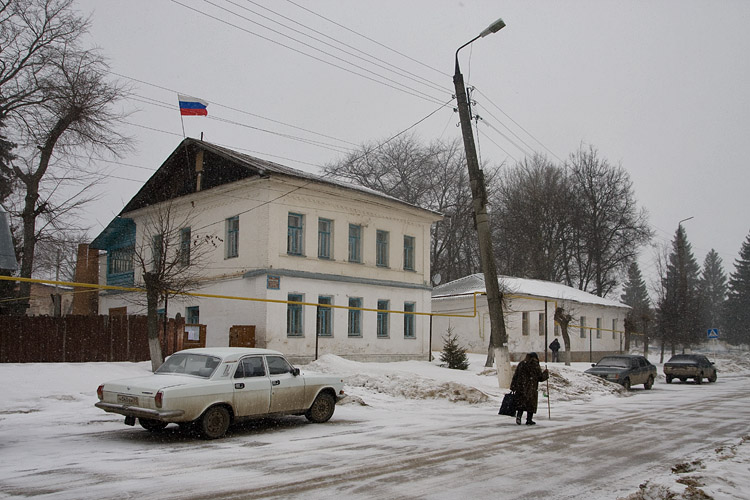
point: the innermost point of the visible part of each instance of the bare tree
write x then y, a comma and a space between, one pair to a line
532, 209
171, 258
33, 34
563, 317
431, 176
60, 103
608, 226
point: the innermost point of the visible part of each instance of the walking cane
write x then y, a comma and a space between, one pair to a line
549, 409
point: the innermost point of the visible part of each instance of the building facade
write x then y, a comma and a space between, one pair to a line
597, 327
315, 266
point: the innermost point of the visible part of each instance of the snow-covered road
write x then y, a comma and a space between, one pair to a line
55, 444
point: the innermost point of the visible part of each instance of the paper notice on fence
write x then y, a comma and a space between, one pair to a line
193, 333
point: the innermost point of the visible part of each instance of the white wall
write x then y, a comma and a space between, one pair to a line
473, 333
263, 213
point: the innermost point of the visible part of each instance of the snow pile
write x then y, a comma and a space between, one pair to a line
568, 384
416, 387
730, 363
712, 475
477, 385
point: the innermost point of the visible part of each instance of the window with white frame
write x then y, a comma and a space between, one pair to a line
294, 324
524, 323
409, 253
192, 315
542, 320
185, 241
355, 243
325, 317
381, 248
598, 328
157, 251
355, 317
325, 228
614, 328
120, 260
294, 234
410, 323
382, 327
232, 245
582, 324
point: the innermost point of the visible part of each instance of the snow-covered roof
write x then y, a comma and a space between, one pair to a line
522, 286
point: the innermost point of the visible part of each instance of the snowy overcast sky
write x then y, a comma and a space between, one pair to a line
658, 86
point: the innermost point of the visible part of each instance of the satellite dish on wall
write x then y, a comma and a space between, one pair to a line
436, 279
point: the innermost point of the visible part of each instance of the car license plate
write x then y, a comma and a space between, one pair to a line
127, 400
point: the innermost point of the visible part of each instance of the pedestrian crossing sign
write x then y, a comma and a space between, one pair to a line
713, 333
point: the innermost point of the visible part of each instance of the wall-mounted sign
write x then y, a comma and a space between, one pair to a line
273, 282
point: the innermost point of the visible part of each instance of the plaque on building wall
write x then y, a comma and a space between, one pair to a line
273, 282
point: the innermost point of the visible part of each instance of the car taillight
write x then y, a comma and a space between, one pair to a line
158, 398
100, 392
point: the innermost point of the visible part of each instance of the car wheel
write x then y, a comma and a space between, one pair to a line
626, 384
649, 383
699, 379
214, 422
712, 378
321, 409
669, 379
683, 379
152, 425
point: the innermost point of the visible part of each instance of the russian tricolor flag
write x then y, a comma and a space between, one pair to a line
191, 106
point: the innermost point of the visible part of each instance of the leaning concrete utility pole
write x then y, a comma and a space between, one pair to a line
498, 335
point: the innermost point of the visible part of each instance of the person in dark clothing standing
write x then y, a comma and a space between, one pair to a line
554, 347
525, 385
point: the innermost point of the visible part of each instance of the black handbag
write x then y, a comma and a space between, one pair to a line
508, 406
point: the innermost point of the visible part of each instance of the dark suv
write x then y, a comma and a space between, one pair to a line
625, 369
685, 366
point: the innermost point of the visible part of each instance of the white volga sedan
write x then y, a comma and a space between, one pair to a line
210, 388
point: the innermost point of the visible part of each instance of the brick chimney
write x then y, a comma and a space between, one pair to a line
86, 300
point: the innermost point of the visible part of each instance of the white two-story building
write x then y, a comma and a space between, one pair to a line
312, 265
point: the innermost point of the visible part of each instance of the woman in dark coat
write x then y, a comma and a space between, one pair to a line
525, 385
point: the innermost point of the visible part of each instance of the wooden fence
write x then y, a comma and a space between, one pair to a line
76, 339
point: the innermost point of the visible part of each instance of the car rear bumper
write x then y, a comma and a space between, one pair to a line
135, 411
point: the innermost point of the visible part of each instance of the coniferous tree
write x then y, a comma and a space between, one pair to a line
738, 300
713, 290
453, 354
636, 296
680, 318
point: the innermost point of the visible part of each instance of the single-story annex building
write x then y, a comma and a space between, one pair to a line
461, 306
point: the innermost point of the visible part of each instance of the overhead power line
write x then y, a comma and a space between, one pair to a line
385, 64
517, 124
368, 38
394, 84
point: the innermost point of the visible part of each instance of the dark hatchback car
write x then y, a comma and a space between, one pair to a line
685, 366
625, 369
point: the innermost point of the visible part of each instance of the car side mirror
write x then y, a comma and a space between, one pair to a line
295, 371
593, 365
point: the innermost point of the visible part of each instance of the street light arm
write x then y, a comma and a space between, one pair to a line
492, 28
458, 70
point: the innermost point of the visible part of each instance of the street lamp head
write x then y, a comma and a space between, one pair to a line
493, 28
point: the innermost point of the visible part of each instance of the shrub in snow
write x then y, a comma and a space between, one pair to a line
453, 354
